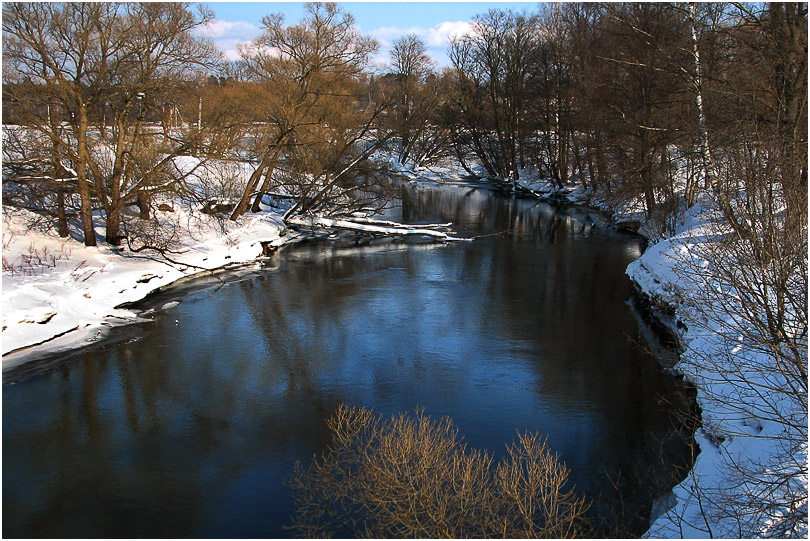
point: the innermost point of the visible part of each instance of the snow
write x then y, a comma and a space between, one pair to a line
379, 227
740, 429
53, 286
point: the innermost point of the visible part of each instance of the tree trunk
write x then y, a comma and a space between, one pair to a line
789, 30
589, 151
114, 214
601, 164
60, 213
562, 150
252, 182
268, 177
455, 139
697, 83
271, 155
649, 191
578, 163
143, 205
86, 209
115, 202
58, 174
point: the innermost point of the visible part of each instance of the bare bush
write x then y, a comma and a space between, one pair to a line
36, 260
219, 182
412, 476
751, 360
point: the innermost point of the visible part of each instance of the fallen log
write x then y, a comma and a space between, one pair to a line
373, 227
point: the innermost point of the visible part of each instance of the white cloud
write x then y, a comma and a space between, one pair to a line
442, 33
436, 36
227, 35
227, 29
230, 48
386, 35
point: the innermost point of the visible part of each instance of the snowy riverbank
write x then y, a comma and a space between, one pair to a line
743, 481
749, 478
60, 292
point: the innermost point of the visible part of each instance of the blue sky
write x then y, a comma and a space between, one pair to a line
434, 22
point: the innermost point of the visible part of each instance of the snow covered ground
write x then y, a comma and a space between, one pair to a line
54, 287
743, 458
747, 478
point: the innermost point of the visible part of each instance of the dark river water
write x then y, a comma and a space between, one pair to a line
187, 425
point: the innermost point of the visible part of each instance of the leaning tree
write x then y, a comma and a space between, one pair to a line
319, 126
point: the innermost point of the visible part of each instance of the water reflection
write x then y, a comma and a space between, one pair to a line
191, 430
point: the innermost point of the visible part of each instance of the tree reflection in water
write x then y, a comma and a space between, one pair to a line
190, 428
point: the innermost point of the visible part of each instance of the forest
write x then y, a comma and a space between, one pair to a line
648, 103
117, 112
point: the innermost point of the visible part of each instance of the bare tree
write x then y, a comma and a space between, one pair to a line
411, 476
493, 72
763, 95
552, 106
417, 97
64, 48
91, 59
321, 126
650, 98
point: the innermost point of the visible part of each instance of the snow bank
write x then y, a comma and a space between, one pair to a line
734, 442
53, 286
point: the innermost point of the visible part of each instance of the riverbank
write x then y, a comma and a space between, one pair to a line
749, 478
746, 481
59, 294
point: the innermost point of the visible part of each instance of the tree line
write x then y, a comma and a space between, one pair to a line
636, 102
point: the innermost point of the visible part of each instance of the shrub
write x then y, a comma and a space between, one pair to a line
412, 476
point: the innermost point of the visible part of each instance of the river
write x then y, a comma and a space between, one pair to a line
188, 424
